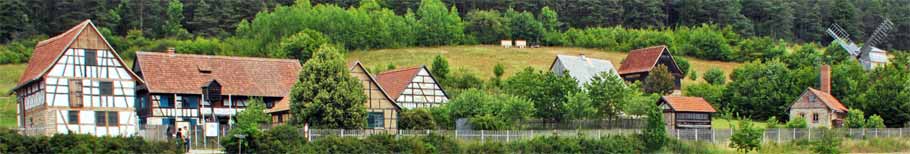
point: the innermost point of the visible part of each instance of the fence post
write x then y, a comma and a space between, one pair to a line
778, 135
482, 136
342, 132
696, 134
677, 134
900, 132
456, 134
713, 137
810, 134
508, 137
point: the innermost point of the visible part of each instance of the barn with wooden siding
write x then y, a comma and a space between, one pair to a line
76, 82
686, 112
173, 94
640, 62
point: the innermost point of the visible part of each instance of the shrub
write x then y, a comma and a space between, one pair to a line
797, 122
712, 93
715, 76
875, 121
654, 137
829, 143
441, 144
855, 119
660, 81
772, 122
746, 137
12, 142
416, 119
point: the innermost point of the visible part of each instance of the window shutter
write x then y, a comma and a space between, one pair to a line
75, 88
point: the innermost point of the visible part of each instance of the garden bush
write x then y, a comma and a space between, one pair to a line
12, 142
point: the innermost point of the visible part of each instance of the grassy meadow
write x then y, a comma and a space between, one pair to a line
480, 59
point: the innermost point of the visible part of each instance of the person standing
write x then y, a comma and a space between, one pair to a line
186, 139
179, 136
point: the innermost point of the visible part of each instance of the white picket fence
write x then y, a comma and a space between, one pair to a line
706, 135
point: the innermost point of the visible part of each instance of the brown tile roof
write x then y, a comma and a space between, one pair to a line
641, 60
184, 74
395, 81
688, 104
48, 51
829, 100
285, 105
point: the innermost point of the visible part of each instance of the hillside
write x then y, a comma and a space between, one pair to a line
480, 59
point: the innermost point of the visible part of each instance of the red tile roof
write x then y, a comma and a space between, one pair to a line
285, 105
395, 81
48, 51
641, 60
688, 104
829, 100
185, 74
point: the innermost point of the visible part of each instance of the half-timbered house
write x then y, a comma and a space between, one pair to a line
686, 112
413, 87
382, 112
640, 62
186, 90
76, 82
819, 107
582, 68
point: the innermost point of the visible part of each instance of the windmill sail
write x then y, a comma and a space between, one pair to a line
877, 37
843, 39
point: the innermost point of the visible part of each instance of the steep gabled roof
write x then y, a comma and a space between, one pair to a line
582, 68
688, 104
358, 65
246, 76
48, 52
643, 60
395, 81
828, 99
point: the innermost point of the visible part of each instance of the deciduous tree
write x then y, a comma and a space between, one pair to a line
327, 96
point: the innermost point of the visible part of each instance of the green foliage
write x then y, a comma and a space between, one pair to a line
683, 64
18, 51
855, 119
693, 75
327, 96
440, 67
772, 122
659, 81
13, 142
416, 119
805, 56
524, 26
654, 136
888, 94
705, 41
829, 142
712, 93
607, 94
438, 25
760, 90
491, 112
746, 137
487, 26
761, 48
172, 26
547, 90
797, 122
460, 80
300, 46
875, 121
252, 117
715, 76
579, 106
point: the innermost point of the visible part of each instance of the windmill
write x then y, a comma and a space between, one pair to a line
868, 55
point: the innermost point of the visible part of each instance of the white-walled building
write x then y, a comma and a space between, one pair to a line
76, 82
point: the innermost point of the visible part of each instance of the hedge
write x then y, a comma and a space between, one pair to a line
13, 142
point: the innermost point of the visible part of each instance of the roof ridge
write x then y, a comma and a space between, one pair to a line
81, 25
402, 69
650, 47
221, 57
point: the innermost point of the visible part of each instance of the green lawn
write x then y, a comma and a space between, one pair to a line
9, 75
7, 112
480, 59
725, 123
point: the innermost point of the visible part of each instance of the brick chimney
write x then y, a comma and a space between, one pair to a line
825, 78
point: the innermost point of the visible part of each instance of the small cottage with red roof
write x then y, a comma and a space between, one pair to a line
640, 62
76, 82
413, 87
819, 107
186, 90
686, 112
